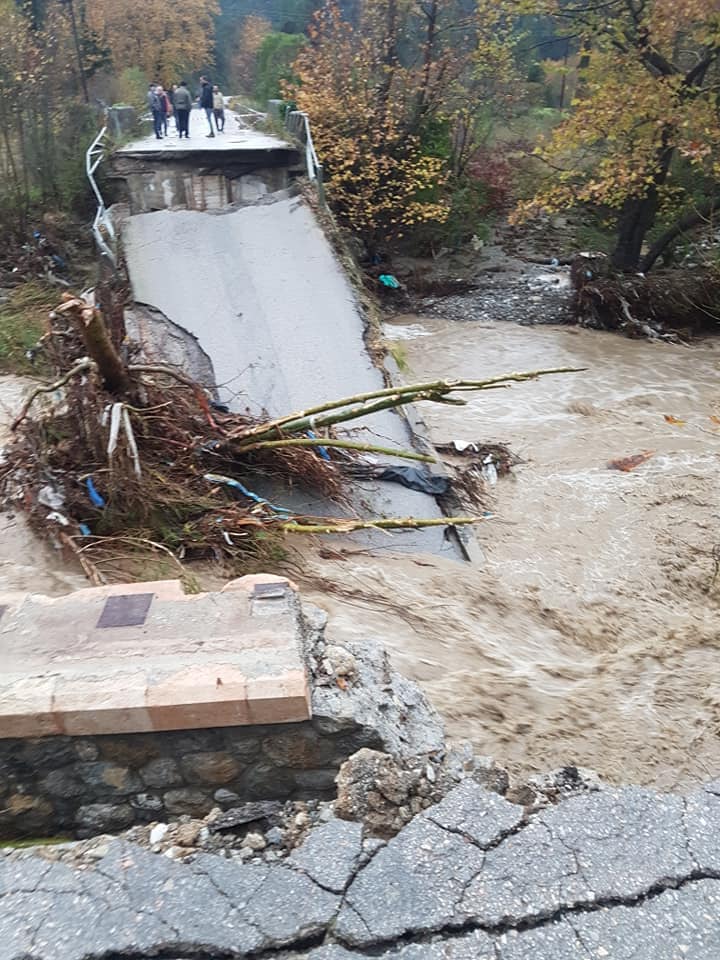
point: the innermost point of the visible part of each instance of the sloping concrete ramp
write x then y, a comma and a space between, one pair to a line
261, 289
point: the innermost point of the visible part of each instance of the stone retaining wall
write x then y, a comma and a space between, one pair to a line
87, 785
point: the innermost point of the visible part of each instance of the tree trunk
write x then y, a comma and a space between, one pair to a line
78, 51
98, 344
389, 60
428, 60
638, 214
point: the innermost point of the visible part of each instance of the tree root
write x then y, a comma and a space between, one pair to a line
80, 367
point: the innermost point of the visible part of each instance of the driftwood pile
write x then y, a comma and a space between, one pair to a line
122, 461
663, 304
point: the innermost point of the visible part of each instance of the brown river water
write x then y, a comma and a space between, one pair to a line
592, 633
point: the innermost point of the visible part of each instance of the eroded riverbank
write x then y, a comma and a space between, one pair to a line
26, 562
593, 633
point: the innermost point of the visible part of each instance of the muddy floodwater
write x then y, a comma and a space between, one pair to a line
592, 633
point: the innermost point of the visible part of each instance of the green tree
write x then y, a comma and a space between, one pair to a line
274, 68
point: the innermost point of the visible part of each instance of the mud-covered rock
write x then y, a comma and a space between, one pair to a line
385, 792
103, 818
560, 784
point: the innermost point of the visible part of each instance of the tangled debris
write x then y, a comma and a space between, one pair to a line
659, 306
121, 461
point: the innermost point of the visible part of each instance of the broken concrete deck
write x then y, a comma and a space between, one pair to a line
263, 292
144, 657
234, 139
618, 874
218, 246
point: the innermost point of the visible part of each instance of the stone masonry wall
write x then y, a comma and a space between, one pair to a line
87, 785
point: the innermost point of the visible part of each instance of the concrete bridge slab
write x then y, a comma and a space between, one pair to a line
141, 657
262, 291
235, 138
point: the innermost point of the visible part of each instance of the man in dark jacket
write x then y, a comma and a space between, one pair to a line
206, 101
183, 105
157, 106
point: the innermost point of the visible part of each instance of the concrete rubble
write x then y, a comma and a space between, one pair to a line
621, 873
111, 772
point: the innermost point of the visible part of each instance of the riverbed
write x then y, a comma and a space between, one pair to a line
591, 635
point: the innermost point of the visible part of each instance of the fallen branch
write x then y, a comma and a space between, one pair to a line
341, 444
90, 324
89, 568
161, 368
327, 414
397, 523
85, 364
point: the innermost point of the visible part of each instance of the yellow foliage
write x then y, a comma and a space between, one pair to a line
243, 65
367, 111
648, 93
162, 40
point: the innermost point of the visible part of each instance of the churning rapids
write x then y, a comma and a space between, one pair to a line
592, 634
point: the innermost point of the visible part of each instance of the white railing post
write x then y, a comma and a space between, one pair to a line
103, 221
296, 119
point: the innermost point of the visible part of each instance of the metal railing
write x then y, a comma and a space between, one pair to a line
103, 228
298, 125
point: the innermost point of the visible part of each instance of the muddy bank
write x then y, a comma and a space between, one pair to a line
26, 562
593, 633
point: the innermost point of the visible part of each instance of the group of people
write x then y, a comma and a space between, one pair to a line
177, 102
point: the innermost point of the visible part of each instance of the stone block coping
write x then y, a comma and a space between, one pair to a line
133, 658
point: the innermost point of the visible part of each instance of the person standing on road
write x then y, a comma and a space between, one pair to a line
183, 106
166, 108
157, 106
219, 109
206, 102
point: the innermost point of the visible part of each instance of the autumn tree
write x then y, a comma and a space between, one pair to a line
44, 126
249, 36
372, 90
162, 40
646, 112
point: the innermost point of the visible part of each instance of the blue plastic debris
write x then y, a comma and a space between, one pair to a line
323, 451
236, 485
388, 280
85, 530
95, 498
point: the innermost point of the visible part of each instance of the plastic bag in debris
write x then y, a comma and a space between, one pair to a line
415, 479
489, 470
48, 496
388, 280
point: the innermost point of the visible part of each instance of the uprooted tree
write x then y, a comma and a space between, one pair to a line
642, 138
127, 458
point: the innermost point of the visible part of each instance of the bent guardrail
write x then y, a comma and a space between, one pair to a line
298, 125
103, 228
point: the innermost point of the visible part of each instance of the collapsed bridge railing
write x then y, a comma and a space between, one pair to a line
103, 228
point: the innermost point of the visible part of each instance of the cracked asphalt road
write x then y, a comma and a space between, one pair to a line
624, 874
